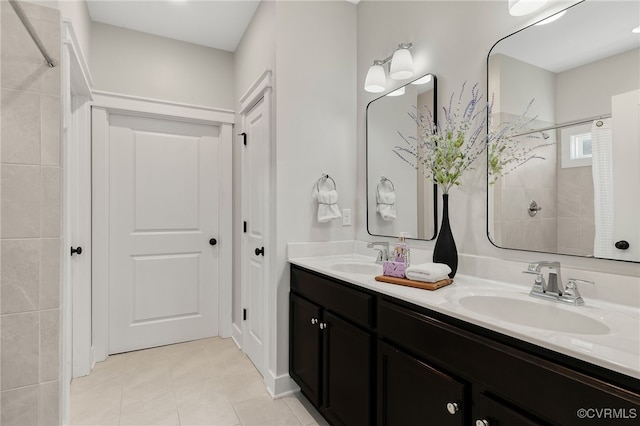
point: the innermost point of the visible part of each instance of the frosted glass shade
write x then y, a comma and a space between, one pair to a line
524, 7
401, 65
376, 81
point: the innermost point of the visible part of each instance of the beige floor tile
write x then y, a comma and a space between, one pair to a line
205, 403
159, 410
265, 411
244, 386
303, 409
204, 382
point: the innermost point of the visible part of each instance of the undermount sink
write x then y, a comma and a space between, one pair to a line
547, 316
358, 268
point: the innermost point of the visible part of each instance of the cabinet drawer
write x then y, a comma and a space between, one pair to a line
349, 303
524, 380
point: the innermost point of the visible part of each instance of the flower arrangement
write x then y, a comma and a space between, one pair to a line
447, 150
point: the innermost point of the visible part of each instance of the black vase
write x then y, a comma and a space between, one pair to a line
445, 250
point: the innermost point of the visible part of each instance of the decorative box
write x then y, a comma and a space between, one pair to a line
394, 269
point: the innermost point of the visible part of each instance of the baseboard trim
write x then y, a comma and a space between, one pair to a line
280, 386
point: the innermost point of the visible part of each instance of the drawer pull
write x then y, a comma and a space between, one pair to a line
453, 407
323, 326
482, 422
314, 321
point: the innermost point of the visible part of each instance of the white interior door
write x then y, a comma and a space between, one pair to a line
255, 190
163, 220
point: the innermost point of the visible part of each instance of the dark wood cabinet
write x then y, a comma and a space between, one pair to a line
331, 348
305, 354
364, 358
347, 370
411, 391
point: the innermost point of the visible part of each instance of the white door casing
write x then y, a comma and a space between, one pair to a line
105, 106
163, 272
76, 184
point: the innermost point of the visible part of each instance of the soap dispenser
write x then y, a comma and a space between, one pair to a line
402, 249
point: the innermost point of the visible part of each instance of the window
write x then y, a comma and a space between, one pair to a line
576, 145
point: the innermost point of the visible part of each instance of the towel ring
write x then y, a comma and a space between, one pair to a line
383, 180
323, 179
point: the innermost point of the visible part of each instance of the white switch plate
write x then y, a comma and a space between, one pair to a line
346, 217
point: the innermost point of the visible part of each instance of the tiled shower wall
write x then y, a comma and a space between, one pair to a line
30, 219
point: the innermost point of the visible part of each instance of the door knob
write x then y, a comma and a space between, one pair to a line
213, 241
453, 407
622, 245
76, 250
260, 251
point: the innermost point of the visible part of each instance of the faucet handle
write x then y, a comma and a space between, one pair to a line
572, 285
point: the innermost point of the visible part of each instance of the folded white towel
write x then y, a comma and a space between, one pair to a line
327, 205
428, 272
386, 203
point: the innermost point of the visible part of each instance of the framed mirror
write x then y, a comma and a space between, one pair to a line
399, 198
578, 195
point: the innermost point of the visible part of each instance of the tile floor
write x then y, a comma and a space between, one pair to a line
204, 382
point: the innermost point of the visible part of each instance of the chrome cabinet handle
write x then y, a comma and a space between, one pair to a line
323, 326
482, 422
453, 407
314, 321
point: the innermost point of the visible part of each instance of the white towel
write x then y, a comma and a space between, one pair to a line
386, 200
327, 205
428, 272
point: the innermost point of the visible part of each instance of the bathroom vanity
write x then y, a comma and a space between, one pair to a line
366, 353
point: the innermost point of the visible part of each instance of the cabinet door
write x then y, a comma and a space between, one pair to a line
304, 346
411, 392
487, 411
348, 361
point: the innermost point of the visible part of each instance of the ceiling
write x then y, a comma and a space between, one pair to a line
589, 31
214, 23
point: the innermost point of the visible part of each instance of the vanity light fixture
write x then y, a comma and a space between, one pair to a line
524, 7
401, 68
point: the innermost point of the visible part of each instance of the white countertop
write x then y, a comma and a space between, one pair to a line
618, 350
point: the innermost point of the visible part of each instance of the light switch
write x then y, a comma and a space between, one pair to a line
346, 217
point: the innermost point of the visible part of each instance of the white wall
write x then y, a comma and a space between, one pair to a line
255, 53
451, 40
611, 76
316, 126
135, 63
78, 12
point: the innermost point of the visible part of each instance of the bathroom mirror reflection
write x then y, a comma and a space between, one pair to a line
399, 198
580, 195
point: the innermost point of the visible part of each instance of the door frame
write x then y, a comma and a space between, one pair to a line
261, 88
76, 181
106, 103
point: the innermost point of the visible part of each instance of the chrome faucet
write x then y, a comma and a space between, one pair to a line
552, 289
383, 253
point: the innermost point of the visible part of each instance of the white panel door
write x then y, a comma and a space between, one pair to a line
255, 190
163, 268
